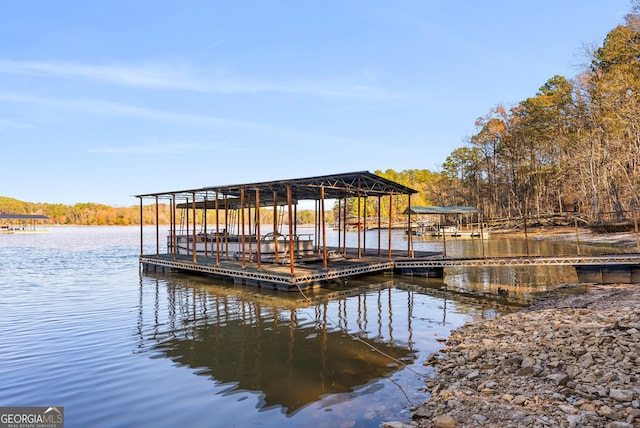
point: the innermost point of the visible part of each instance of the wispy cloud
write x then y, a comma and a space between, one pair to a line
170, 148
275, 132
9, 123
181, 77
148, 149
143, 76
125, 110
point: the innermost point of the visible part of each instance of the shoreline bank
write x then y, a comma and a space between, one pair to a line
583, 236
570, 360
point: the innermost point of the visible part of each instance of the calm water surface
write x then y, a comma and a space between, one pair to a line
83, 329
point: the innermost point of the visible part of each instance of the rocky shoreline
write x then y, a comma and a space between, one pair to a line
572, 360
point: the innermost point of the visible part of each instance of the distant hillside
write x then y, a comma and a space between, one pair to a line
88, 214
85, 213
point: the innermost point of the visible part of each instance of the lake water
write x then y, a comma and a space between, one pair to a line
84, 329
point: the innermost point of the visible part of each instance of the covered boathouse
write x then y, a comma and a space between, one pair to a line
220, 230
23, 223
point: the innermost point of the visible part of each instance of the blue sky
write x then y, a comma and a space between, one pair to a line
102, 100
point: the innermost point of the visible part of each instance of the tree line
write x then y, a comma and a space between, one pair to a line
574, 146
93, 214
86, 213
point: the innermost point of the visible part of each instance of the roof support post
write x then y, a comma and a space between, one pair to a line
379, 222
339, 225
217, 230
444, 235
275, 225
526, 234
481, 221
226, 227
324, 229
157, 225
635, 227
141, 241
204, 218
316, 225
258, 226
291, 258
358, 224
174, 237
390, 221
195, 248
344, 228
242, 227
364, 228
359, 214
187, 224
409, 226
250, 234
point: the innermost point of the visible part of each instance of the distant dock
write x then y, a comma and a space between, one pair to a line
23, 223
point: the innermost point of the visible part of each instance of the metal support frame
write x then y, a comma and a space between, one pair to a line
291, 254
258, 236
631, 259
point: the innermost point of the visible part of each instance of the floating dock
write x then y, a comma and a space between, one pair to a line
430, 222
219, 231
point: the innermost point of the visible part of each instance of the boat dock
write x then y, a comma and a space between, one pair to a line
220, 231
430, 222
23, 223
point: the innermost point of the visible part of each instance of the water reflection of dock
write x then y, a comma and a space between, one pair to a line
291, 356
291, 349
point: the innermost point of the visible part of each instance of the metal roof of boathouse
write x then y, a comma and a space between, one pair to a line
336, 186
23, 217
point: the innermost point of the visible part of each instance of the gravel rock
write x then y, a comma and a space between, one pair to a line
568, 361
